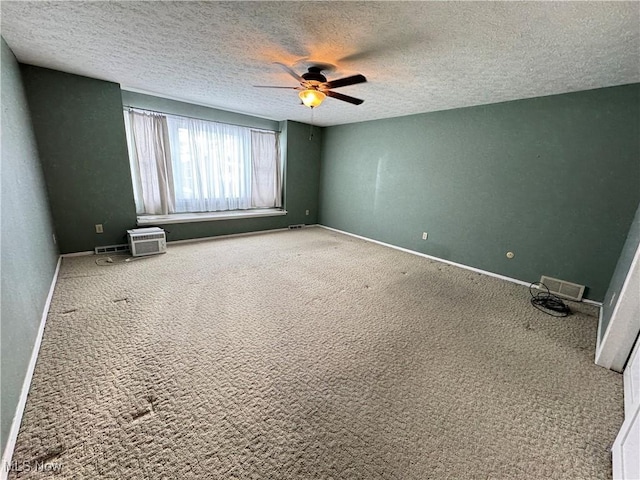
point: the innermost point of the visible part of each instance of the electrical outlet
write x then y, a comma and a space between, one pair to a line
99, 228
425, 235
306, 212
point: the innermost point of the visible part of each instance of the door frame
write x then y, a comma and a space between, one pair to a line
622, 331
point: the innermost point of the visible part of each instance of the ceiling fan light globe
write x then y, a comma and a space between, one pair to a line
312, 98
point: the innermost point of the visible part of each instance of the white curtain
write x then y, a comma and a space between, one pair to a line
266, 184
151, 167
212, 164
181, 165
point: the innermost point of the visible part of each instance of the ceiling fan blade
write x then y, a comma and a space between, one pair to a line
344, 98
288, 69
343, 82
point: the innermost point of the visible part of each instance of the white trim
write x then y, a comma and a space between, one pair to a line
626, 457
598, 342
207, 217
618, 340
78, 254
619, 459
631, 382
460, 265
230, 235
26, 384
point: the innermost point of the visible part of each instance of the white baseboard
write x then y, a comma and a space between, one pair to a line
599, 335
448, 262
78, 254
26, 384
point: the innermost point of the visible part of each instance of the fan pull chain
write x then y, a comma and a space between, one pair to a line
311, 126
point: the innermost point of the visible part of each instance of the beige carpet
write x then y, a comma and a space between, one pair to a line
312, 355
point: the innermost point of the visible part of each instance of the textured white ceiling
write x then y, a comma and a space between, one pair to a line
417, 56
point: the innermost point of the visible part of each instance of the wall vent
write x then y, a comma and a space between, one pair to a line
561, 288
112, 249
296, 227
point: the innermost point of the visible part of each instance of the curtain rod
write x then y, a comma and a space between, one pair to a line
131, 107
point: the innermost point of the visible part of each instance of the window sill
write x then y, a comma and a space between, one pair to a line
208, 216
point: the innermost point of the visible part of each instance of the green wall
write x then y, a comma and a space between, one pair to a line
553, 179
302, 174
79, 128
28, 253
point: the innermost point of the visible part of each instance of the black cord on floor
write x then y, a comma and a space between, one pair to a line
116, 259
547, 302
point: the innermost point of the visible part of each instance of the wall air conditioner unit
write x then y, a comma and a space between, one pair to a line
147, 241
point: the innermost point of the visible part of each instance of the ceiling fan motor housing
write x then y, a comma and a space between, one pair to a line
314, 86
314, 75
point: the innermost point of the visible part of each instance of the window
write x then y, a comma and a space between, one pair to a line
186, 165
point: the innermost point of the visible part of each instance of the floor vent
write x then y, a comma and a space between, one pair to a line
296, 227
112, 249
561, 288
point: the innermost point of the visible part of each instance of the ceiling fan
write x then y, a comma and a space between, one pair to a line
314, 87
